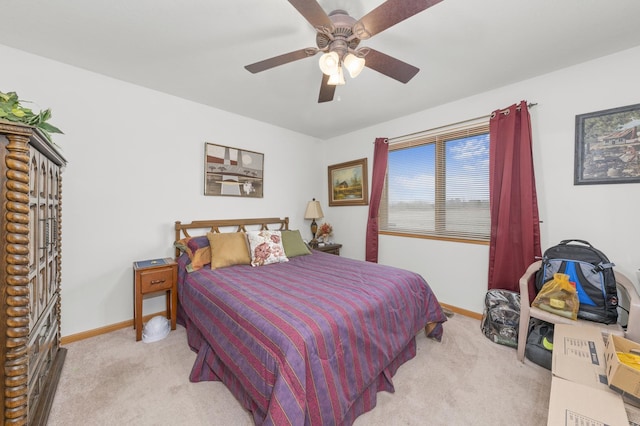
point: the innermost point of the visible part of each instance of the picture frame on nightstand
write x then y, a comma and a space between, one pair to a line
330, 248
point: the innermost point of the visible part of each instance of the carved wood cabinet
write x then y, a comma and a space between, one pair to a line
30, 250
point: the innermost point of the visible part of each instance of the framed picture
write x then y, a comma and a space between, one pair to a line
348, 184
232, 172
607, 146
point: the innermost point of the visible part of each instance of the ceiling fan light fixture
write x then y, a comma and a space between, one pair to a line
337, 78
338, 37
354, 64
329, 63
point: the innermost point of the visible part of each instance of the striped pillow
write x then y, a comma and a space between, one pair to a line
198, 250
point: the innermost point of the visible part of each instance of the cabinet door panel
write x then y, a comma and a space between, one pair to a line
30, 205
33, 211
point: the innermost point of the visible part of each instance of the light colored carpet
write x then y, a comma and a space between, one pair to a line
464, 380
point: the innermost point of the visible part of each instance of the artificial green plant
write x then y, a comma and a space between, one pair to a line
12, 110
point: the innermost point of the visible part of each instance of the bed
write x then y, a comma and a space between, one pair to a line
309, 340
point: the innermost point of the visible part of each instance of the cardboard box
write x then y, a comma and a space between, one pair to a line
622, 378
633, 414
579, 355
580, 393
577, 404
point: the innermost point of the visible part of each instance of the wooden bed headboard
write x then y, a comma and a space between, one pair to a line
201, 227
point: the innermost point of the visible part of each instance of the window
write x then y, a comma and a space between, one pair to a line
437, 185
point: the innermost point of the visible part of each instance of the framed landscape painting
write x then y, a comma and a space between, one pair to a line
232, 172
607, 146
348, 183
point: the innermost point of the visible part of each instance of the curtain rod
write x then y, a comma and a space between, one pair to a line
504, 111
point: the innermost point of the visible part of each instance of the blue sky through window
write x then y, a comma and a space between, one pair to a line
412, 171
412, 174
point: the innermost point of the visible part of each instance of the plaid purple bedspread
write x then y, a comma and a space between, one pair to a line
306, 342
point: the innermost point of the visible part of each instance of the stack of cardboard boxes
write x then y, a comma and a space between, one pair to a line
590, 386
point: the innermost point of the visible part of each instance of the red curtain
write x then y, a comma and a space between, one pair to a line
515, 225
380, 157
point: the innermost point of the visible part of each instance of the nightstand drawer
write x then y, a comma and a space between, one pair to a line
156, 279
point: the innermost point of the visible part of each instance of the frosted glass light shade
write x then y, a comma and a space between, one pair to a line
337, 78
329, 63
353, 64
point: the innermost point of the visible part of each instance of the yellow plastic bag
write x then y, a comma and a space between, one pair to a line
558, 296
630, 359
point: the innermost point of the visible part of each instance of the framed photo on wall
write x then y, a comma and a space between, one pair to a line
232, 172
348, 183
607, 146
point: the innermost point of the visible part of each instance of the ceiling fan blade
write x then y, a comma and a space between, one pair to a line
388, 14
326, 90
312, 12
281, 60
390, 66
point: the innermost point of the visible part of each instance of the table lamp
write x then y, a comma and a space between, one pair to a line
313, 212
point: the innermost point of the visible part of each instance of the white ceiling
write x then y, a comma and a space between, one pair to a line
197, 50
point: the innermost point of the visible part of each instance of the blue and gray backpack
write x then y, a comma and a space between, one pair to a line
592, 273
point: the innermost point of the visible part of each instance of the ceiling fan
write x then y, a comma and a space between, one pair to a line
339, 35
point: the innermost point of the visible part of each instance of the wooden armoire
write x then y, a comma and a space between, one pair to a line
30, 260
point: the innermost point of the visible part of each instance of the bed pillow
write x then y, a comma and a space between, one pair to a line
227, 249
198, 250
293, 244
266, 247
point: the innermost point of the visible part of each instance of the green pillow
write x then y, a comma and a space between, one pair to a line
293, 244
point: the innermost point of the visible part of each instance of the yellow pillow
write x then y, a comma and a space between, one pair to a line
228, 249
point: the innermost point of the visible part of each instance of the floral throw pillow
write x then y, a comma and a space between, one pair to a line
266, 247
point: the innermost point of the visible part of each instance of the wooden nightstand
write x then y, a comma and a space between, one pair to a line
329, 248
152, 276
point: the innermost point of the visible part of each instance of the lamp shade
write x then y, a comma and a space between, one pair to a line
329, 63
337, 78
353, 64
314, 211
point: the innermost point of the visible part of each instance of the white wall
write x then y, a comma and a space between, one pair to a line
605, 215
136, 160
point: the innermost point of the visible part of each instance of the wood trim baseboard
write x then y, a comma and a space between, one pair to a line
461, 311
64, 340
129, 323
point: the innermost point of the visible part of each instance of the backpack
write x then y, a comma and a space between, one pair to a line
592, 273
501, 317
539, 346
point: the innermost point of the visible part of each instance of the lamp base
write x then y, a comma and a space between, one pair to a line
314, 229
